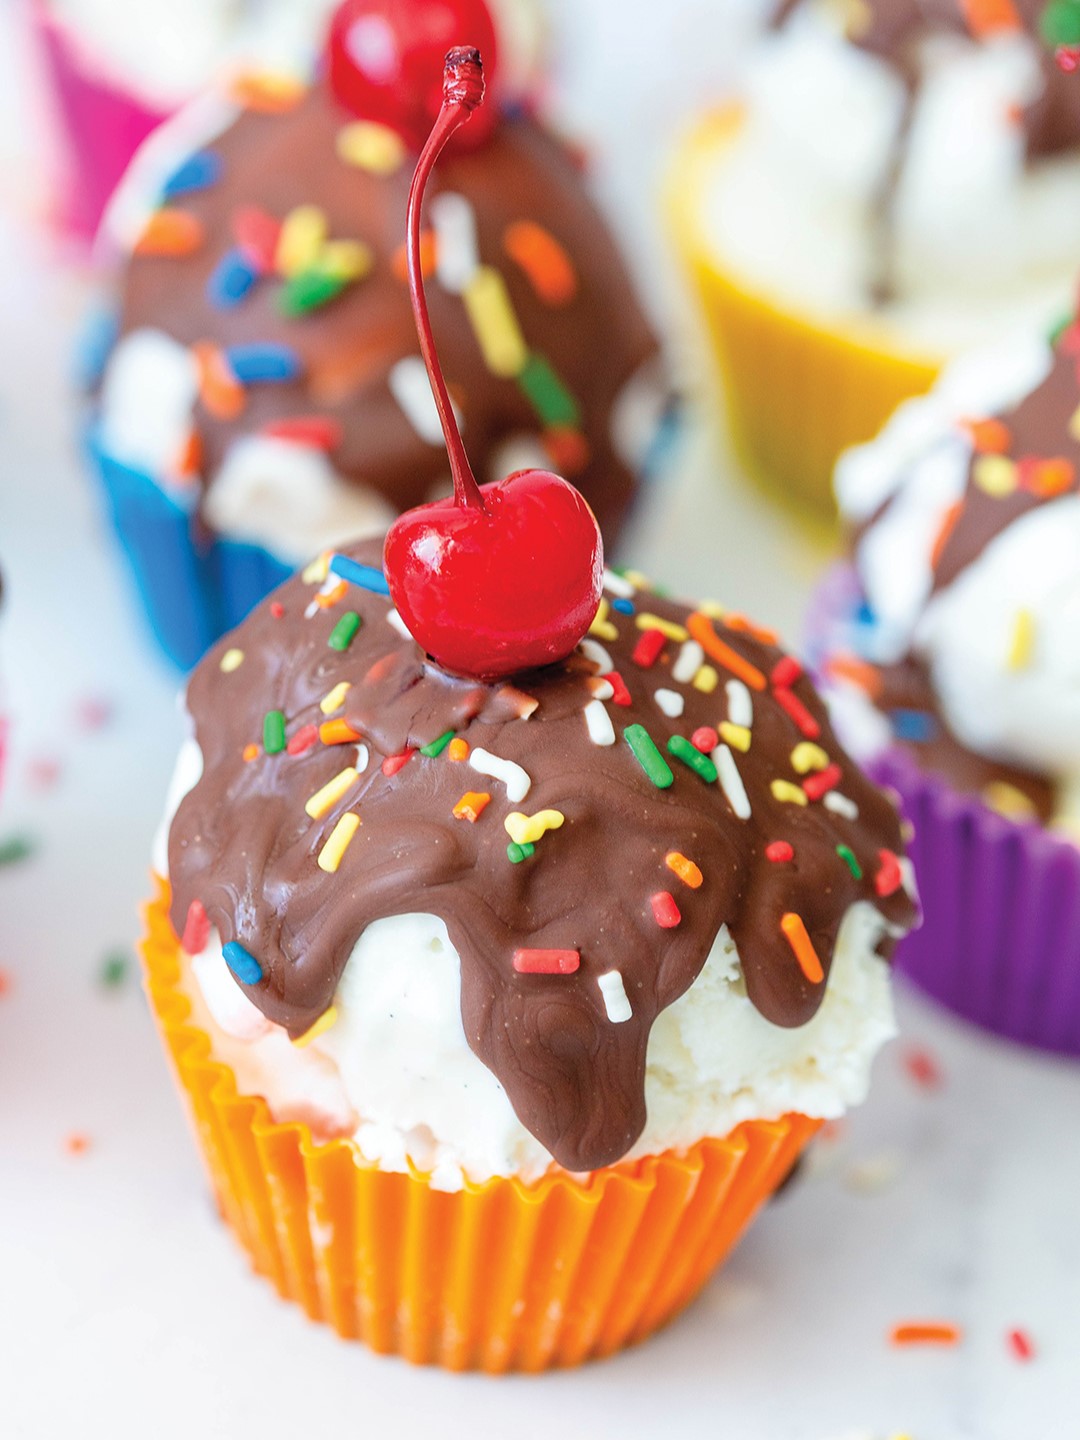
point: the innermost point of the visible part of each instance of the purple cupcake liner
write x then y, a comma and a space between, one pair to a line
1000, 939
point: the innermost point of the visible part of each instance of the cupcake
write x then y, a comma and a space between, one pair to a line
264, 397
950, 650
900, 183
506, 969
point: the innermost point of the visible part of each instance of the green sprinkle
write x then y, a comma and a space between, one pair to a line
308, 291
437, 746
692, 757
648, 756
114, 969
1059, 23
342, 634
274, 732
1065, 323
848, 856
16, 848
547, 394
516, 853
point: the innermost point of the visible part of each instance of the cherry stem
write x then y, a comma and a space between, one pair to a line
463, 91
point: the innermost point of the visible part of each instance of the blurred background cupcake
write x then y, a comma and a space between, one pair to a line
260, 391
951, 653
896, 184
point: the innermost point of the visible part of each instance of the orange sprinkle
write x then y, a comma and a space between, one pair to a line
989, 437
337, 732
399, 263
327, 598
189, 461
219, 389
685, 869
701, 628
458, 749
926, 1332
472, 805
251, 752
758, 632
985, 17
859, 672
169, 232
5, 982
546, 264
948, 525
1047, 478
795, 932
267, 94
76, 1143
568, 449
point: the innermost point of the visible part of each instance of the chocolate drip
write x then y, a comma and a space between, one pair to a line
349, 346
242, 844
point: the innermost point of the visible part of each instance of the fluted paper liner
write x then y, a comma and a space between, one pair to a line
500, 1276
798, 390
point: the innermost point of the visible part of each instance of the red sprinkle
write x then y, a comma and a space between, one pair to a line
889, 878
923, 1068
546, 962
820, 784
321, 432
789, 701
5, 983
256, 232
622, 694
303, 740
785, 672
647, 650
665, 912
1020, 1344
277, 610
779, 851
705, 739
393, 763
196, 929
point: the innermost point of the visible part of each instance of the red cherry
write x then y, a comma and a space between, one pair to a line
503, 577
386, 60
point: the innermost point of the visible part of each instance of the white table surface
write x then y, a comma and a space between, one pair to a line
126, 1309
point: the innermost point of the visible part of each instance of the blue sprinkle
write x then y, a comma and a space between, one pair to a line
242, 963
252, 363
865, 614
366, 576
915, 725
231, 280
624, 607
94, 346
196, 173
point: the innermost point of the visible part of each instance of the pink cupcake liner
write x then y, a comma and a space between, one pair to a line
1000, 939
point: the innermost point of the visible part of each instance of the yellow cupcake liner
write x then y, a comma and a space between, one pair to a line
500, 1276
797, 391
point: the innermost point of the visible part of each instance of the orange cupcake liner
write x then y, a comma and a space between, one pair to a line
496, 1277
797, 391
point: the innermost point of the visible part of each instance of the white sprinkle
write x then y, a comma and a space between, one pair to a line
601, 730
670, 702
618, 586
599, 688
614, 992
363, 757
456, 255
516, 780
689, 661
411, 388
731, 781
394, 619
740, 704
841, 805
907, 872
594, 651
312, 610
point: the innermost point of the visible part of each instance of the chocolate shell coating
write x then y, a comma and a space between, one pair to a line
242, 843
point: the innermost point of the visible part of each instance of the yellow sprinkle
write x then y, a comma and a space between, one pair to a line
1022, 644
1074, 424
1007, 800
637, 579
332, 792
527, 829
646, 621
713, 610
706, 680
336, 698
317, 571
371, 147
331, 853
784, 790
346, 259
326, 1021
303, 233
807, 756
737, 736
601, 627
232, 660
491, 314
995, 474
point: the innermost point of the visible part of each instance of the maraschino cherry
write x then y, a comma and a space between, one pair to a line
386, 60
501, 577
